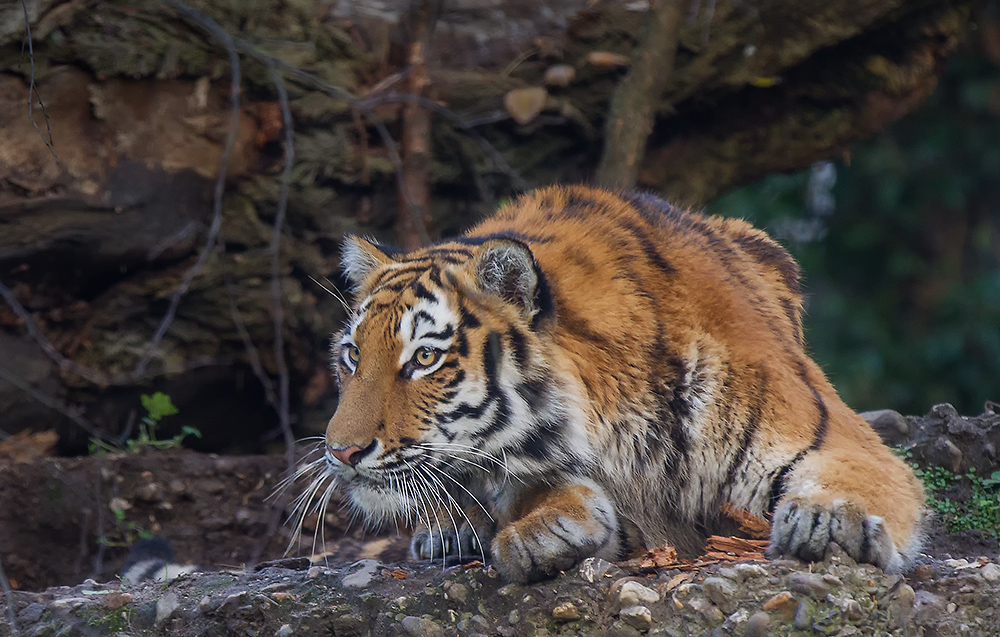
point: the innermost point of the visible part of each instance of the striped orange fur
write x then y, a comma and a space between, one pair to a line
588, 371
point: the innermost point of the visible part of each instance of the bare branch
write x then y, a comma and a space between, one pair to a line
277, 312
98, 378
633, 107
33, 90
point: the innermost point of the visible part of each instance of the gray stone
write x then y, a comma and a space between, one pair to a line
811, 584
638, 617
420, 627
734, 620
890, 425
723, 593
901, 606
804, 613
757, 625
990, 572
635, 594
361, 577
594, 568
284, 631
457, 592
473, 625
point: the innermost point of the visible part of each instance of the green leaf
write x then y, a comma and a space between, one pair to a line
158, 405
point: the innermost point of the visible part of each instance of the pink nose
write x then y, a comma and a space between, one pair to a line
348, 455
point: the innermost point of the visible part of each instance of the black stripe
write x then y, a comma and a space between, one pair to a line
752, 424
422, 292
768, 253
519, 348
649, 249
866, 540
819, 432
444, 334
778, 484
419, 314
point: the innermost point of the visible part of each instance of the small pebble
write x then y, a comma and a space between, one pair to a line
635, 594
757, 625
722, 592
284, 631
783, 603
638, 617
810, 584
566, 612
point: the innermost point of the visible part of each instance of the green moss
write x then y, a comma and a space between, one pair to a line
113, 622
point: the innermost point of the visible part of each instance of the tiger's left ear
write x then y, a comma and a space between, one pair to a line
359, 257
507, 268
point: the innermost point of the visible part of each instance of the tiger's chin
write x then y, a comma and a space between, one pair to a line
377, 503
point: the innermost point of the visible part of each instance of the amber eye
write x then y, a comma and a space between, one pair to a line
426, 356
353, 355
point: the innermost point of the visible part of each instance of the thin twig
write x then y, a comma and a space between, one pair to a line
50, 402
277, 312
94, 376
33, 91
220, 183
251, 349
9, 594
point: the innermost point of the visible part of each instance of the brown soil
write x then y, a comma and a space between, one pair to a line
217, 512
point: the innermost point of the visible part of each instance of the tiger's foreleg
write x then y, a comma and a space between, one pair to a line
865, 500
554, 529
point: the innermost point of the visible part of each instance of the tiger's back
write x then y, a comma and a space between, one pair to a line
634, 366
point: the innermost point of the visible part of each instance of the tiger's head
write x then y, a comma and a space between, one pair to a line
442, 374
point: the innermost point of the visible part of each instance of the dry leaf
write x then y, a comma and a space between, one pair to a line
472, 564
662, 557
755, 527
525, 104
607, 58
677, 580
398, 574
28, 445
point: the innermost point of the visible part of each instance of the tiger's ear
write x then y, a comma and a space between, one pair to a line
507, 268
360, 257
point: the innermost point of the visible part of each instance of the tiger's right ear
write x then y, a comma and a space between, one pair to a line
359, 257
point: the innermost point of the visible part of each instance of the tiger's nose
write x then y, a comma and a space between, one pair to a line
352, 454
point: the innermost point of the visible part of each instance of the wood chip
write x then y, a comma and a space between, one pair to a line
754, 526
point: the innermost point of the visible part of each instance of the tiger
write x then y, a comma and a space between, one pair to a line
588, 372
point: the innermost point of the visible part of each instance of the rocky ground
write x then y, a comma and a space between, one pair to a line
953, 590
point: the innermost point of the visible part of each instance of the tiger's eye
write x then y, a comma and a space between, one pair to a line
353, 354
426, 356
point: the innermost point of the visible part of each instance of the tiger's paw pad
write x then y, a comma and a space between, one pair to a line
453, 547
804, 529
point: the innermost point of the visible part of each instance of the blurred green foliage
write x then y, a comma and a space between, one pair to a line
901, 254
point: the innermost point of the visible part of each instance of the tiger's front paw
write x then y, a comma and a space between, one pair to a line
552, 539
803, 528
464, 545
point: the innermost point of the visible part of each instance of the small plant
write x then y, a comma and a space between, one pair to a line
980, 509
130, 531
158, 406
